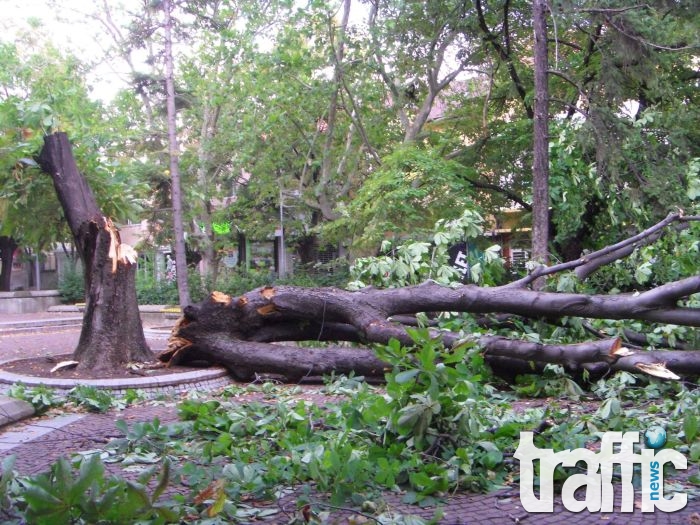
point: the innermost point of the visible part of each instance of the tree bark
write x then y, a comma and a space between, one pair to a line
587, 264
540, 151
112, 334
239, 332
8, 245
178, 221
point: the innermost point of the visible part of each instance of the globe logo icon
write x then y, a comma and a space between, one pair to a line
655, 437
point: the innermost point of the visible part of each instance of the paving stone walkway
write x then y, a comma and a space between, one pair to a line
38, 442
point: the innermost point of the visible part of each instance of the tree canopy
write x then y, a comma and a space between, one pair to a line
401, 132
327, 105
43, 90
324, 100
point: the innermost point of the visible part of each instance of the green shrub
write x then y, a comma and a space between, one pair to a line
71, 286
241, 281
237, 282
91, 398
40, 397
150, 291
81, 492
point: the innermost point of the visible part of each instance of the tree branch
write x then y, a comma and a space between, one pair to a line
237, 332
503, 53
646, 42
590, 262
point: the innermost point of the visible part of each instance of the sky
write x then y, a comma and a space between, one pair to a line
79, 37
85, 40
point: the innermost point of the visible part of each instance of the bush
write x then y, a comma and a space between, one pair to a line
40, 397
71, 286
241, 281
150, 291
91, 398
237, 282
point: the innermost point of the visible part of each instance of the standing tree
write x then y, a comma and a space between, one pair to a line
112, 334
42, 87
623, 97
223, 39
540, 150
8, 245
178, 226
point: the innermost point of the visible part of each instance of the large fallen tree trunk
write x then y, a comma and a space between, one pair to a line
244, 333
240, 332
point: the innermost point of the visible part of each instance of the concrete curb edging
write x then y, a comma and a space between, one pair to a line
148, 387
13, 410
194, 376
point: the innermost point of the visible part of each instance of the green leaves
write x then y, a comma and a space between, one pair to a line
61, 496
414, 419
41, 397
691, 427
693, 175
643, 272
415, 262
406, 376
93, 399
439, 425
417, 187
44, 90
440, 406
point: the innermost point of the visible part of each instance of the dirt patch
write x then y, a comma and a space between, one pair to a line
42, 366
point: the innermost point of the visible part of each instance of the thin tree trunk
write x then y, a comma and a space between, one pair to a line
112, 334
540, 168
178, 222
210, 261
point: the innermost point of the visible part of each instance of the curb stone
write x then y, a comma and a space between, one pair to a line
13, 410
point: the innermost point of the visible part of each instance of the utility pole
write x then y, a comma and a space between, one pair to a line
282, 254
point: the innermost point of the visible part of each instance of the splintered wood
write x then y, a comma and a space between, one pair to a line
119, 252
220, 297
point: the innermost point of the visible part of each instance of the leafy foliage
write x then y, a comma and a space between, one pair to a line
413, 189
40, 397
71, 285
81, 493
415, 262
44, 90
624, 150
441, 424
235, 282
93, 399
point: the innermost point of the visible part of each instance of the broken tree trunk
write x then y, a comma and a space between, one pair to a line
112, 334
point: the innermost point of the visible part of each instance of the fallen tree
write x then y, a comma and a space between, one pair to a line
244, 333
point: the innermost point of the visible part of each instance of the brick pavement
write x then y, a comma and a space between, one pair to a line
93, 431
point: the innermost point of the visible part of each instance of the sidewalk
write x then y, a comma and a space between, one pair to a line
55, 436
